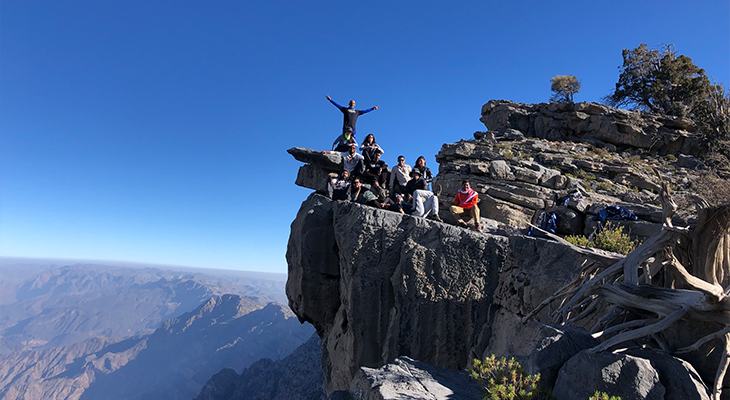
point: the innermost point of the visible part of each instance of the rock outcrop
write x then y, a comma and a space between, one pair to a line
378, 285
406, 378
594, 123
640, 375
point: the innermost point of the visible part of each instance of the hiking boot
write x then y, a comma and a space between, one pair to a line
437, 218
463, 224
478, 227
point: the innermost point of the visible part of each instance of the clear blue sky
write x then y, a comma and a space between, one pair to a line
156, 131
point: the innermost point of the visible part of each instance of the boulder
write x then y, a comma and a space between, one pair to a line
331, 162
505, 212
512, 134
526, 201
679, 378
540, 348
500, 169
687, 161
313, 177
620, 375
527, 175
406, 378
487, 137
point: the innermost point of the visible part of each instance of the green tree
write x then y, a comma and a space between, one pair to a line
663, 82
659, 81
503, 379
564, 87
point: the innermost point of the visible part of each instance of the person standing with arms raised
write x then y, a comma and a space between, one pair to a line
349, 122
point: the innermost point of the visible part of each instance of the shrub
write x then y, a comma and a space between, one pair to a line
564, 87
603, 185
671, 157
501, 379
603, 396
611, 238
711, 188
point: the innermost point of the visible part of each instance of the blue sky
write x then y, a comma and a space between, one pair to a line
156, 131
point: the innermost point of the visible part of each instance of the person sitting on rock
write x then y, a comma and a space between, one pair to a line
416, 183
368, 148
337, 188
376, 174
399, 205
425, 203
350, 115
423, 169
351, 160
465, 205
344, 141
399, 177
361, 193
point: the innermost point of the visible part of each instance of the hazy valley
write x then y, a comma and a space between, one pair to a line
98, 332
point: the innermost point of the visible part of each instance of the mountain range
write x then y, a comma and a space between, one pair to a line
89, 331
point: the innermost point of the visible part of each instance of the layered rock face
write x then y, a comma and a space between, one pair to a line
594, 123
561, 148
377, 285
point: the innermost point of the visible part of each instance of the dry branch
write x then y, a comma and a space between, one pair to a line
696, 259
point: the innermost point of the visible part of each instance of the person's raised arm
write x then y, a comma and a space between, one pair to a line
369, 109
334, 103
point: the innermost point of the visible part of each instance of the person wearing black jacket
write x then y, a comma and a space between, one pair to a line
423, 169
376, 174
416, 183
350, 115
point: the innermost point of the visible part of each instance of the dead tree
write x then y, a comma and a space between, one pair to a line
681, 273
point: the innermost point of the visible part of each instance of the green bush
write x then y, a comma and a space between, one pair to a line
603, 396
501, 379
611, 238
603, 185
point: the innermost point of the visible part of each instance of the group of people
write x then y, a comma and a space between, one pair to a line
366, 179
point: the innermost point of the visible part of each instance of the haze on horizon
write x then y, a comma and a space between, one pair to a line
157, 132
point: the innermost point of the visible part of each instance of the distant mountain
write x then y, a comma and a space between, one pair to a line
62, 306
297, 377
174, 362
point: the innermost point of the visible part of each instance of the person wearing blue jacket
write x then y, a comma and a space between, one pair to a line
350, 115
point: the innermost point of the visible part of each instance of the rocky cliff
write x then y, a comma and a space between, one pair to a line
379, 285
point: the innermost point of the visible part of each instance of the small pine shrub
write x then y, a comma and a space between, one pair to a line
604, 186
603, 396
501, 379
671, 157
578, 240
581, 174
611, 238
508, 154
